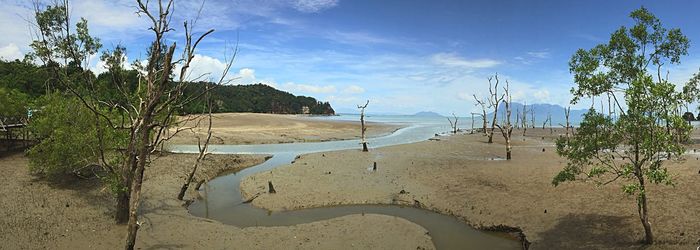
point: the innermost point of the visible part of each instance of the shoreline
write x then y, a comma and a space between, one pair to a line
257, 129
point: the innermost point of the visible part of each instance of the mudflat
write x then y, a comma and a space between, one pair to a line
464, 176
35, 214
252, 128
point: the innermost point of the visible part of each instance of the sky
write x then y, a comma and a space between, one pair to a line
405, 56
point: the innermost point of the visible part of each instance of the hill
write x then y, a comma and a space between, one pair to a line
32, 80
427, 114
258, 98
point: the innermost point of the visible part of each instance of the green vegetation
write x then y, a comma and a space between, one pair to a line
257, 98
632, 148
67, 136
13, 106
32, 81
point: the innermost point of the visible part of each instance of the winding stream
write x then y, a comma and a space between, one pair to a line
223, 201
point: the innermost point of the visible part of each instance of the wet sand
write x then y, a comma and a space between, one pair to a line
252, 128
456, 175
452, 175
35, 214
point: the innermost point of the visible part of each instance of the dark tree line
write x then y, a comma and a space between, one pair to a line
257, 98
32, 81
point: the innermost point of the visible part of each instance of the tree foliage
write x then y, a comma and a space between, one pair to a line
633, 147
13, 106
67, 136
111, 85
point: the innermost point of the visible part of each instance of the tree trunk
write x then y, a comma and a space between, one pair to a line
484, 119
643, 210
364, 147
143, 152
132, 226
508, 149
648, 235
493, 126
186, 185
122, 213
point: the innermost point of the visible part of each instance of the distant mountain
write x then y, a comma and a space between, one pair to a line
541, 110
427, 114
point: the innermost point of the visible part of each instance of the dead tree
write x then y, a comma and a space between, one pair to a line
482, 117
481, 103
363, 128
454, 124
567, 112
532, 116
549, 119
161, 97
202, 151
524, 118
551, 129
494, 101
507, 127
148, 110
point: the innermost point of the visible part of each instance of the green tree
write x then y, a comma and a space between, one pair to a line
13, 106
67, 136
632, 148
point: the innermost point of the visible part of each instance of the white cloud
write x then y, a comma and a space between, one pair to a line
203, 68
541, 94
307, 88
539, 54
100, 66
452, 60
108, 14
246, 76
11, 52
464, 96
357, 38
311, 6
344, 101
354, 89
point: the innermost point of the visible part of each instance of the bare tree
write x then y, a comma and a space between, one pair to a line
454, 124
494, 101
524, 118
507, 127
532, 117
145, 111
473, 114
567, 112
481, 103
202, 151
159, 97
548, 120
363, 127
517, 118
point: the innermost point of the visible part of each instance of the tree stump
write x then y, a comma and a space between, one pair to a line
271, 189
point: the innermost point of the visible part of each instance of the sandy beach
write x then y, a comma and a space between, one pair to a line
456, 175
252, 128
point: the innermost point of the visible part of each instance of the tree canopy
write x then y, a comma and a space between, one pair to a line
633, 147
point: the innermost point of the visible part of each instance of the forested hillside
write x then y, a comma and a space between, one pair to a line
259, 98
32, 81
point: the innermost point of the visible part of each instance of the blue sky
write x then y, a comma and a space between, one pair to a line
404, 56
